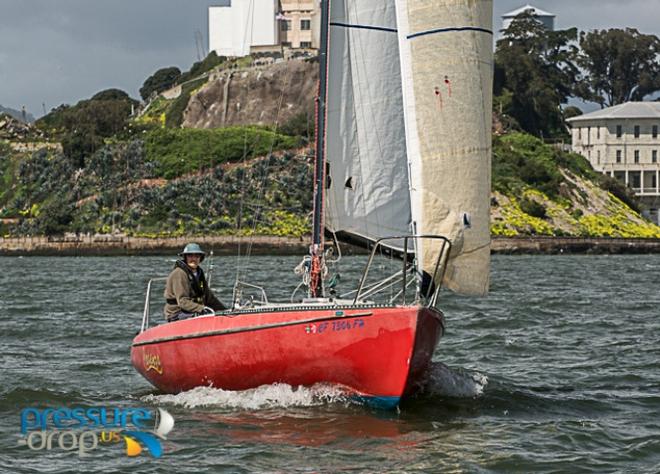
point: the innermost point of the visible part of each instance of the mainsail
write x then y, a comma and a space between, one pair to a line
446, 62
368, 195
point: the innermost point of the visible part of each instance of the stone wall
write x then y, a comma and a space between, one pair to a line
123, 245
72, 245
558, 245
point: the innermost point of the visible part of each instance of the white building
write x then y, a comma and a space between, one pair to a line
239, 26
623, 142
548, 19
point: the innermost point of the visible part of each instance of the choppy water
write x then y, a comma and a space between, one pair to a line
556, 371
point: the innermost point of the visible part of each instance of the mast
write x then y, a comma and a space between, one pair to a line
316, 249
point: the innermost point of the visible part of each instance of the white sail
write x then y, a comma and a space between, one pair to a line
446, 70
368, 196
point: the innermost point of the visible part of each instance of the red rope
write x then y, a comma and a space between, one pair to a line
315, 276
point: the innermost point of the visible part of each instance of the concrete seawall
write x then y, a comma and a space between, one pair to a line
559, 245
121, 245
227, 245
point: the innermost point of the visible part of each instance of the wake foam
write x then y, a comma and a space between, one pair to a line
454, 383
277, 395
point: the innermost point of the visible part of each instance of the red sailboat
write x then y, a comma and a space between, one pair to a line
374, 176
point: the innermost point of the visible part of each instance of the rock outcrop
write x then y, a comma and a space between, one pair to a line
262, 95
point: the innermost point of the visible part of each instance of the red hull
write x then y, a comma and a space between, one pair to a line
376, 352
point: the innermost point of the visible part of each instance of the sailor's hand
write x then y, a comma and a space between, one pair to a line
207, 310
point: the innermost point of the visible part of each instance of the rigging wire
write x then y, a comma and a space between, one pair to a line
259, 203
249, 17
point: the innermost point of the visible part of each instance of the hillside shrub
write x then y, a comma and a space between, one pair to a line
533, 208
180, 151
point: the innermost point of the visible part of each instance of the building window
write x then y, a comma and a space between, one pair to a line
636, 156
306, 44
619, 131
579, 133
636, 131
286, 44
654, 156
305, 24
598, 157
655, 131
618, 156
634, 179
286, 25
598, 133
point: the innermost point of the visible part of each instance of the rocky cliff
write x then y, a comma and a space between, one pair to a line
260, 95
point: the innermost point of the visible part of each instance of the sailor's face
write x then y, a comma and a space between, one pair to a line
192, 260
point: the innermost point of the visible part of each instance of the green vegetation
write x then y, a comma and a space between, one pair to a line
620, 65
538, 70
116, 191
159, 81
174, 114
147, 176
541, 190
302, 125
201, 67
520, 161
83, 128
179, 151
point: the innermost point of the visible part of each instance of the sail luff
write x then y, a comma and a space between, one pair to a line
446, 62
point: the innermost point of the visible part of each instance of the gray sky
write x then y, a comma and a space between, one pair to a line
62, 51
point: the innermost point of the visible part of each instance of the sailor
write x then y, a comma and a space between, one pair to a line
186, 292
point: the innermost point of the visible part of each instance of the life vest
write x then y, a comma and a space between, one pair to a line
197, 283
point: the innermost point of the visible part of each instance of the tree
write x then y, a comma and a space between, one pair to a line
572, 111
535, 72
159, 81
113, 94
619, 65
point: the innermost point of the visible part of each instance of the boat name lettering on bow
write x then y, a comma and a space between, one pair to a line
152, 362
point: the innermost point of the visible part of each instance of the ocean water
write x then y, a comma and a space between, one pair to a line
557, 370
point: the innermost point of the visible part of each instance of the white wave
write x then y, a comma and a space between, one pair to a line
267, 396
454, 383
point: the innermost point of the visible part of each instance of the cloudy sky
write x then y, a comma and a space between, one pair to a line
61, 51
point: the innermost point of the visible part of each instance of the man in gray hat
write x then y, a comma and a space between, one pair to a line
186, 292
